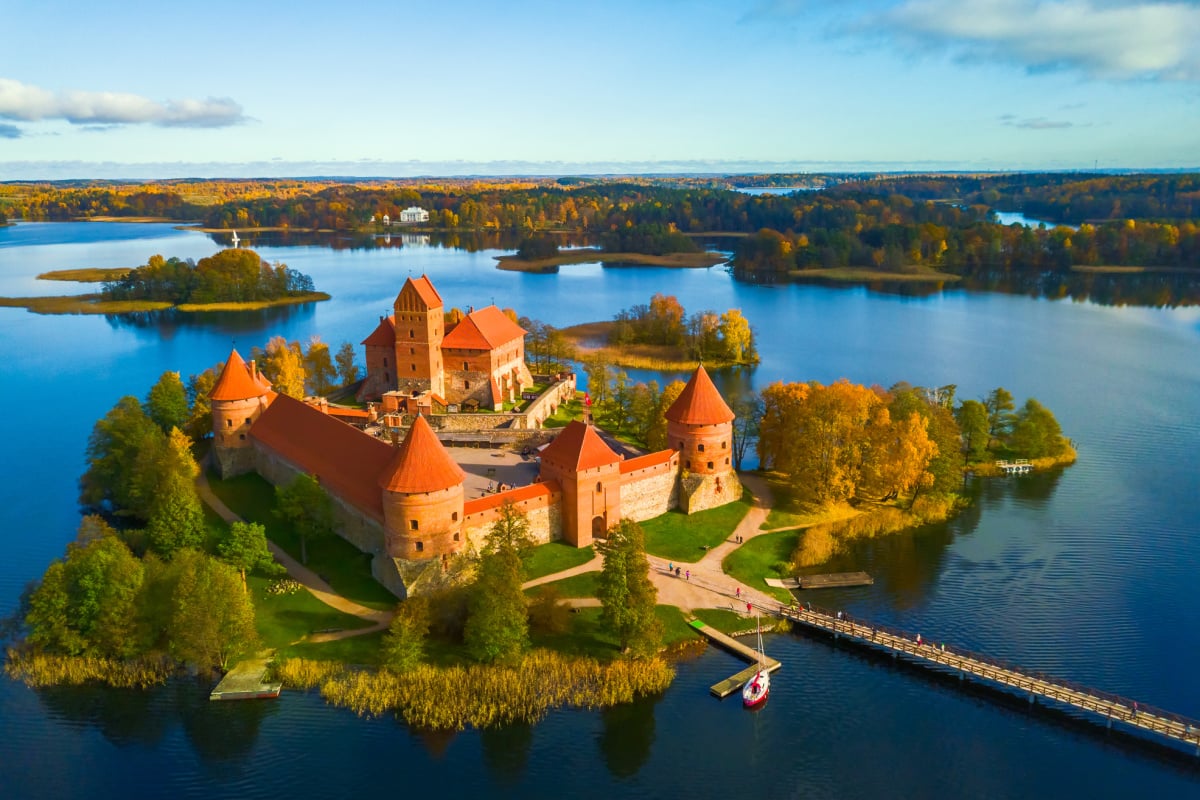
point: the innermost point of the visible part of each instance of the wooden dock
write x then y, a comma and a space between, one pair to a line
1057, 694
246, 681
835, 580
734, 682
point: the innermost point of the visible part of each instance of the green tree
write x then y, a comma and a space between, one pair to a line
113, 452
347, 370
1036, 433
972, 418
167, 403
245, 549
87, 602
304, 503
176, 517
199, 422
627, 596
748, 412
656, 432
497, 627
318, 366
999, 405
404, 643
212, 621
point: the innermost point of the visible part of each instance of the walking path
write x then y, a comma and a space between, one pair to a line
316, 585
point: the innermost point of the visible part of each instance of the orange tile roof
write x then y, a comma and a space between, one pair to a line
648, 460
345, 460
485, 329
490, 501
579, 447
349, 413
425, 291
384, 335
421, 464
699, 403
235, 382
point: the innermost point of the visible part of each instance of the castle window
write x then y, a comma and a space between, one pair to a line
385, 361
454, 518
420, 546
466, 366
710, 465
724, 445
466, 384
228, 423
599, 486
247, 420
412, 525
700, 447
411, 334
242, 436
687, 464
726, 461
414, 367
456, 533
412, 351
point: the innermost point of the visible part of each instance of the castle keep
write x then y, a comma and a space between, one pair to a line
406, 504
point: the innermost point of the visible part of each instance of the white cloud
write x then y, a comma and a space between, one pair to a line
1035, 123
1111, 39
26, 103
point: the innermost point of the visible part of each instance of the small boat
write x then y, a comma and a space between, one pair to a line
755, 692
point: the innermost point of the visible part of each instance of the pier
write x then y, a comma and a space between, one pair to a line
246, 681
1018, 467
1132, 716
734, 682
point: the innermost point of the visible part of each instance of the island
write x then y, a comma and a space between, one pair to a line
231, 280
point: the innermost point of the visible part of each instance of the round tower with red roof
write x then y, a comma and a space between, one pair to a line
239, 397
422, 498
700, 428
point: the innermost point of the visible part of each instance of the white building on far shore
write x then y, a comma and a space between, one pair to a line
413, 214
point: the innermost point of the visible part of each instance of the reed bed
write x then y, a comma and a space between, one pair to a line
38, 670
480, 696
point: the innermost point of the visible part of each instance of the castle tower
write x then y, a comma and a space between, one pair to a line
422, 498
419, 326
238, 399
700, 427
590, 475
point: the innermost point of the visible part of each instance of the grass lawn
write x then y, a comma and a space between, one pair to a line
585, 637
359, 650
340, 563
723, 620
686, 537
283, 619
554, 557
570, 410
764, 556
582, 585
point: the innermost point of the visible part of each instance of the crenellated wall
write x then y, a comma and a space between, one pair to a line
543, 511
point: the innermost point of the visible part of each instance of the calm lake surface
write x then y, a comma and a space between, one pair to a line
1089, 573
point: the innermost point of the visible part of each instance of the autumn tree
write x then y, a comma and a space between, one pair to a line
283, 365
318, 368
403, 645
167, 403
895, 455
212, 619
656, 432
627, 597
347, 370
305, 505
737, 338
1036, 433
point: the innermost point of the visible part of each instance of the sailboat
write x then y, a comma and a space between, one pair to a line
755, 692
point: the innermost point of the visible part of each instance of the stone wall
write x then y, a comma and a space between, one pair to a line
647, 493
702, 492
544, 514
352, 524
548, 401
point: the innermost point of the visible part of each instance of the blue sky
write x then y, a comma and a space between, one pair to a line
139, 89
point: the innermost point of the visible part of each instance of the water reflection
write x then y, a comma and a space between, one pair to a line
628, 736
506, 752
124, 717
168, 323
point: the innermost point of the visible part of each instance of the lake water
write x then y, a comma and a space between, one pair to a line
1088, 573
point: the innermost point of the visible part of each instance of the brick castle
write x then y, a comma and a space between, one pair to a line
406, 504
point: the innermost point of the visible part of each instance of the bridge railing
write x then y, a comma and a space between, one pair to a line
1146, 716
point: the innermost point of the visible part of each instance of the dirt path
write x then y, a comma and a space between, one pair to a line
304, 576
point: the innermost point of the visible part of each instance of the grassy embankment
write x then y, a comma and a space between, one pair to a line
590, 340
94, 304
85, 275
590, 256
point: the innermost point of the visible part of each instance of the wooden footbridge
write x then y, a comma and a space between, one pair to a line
1133, 717
735, 682
1018, 467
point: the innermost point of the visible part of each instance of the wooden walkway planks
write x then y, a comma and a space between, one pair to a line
246, 681
734, 682
835, 579
1136, 717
